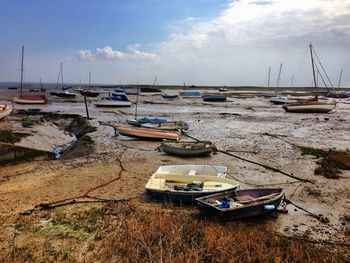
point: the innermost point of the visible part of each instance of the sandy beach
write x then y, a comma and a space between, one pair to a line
247, 126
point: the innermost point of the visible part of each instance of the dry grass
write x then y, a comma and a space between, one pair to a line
124, 233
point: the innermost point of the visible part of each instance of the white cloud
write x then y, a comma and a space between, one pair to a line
107, 53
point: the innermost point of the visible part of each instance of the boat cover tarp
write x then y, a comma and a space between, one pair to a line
190, 93
152, 120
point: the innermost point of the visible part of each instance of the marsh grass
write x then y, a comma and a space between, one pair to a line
127, 233
330, 162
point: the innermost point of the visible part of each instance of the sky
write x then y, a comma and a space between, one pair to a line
197, 42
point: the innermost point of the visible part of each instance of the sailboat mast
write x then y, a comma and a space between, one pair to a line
313, 67
291, 82
137, 100
61, 76
268, 78
341, 73
89, 78
22, 70
279, 76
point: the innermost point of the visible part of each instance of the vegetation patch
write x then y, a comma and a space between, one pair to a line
29, 123
9, 136
128, 233
331, 162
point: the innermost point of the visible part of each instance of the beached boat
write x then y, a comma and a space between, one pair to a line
170, 96
120, 89
131, 92
89, 93
190, 93
187, 149
223, 89
12, 88
280, 100
62, 94
28, 99
143, 133
5, 111
214, 98
235, 204
313, 105
150, 89
159, 124
116, 100
186, 183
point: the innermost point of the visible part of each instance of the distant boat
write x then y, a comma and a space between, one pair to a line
28, 99
5, 111
280, 100
187, 149
158, 123
117, 100
186, 183
89, 93
12, 88
149, 89
223, 89
235, 204
189, 93
214, 98
63, 94
310, 106
170, 97
119, 89
150, 134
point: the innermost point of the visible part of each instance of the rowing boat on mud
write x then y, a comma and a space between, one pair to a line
159, 124
187, 149
235, 204
185, 183
146, 133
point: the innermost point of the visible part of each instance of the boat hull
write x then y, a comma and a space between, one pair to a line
214, 98
187, 149
27, 99
174, 186
309, 107
150, 134
249, 210
112, 103
91, 94
5, 111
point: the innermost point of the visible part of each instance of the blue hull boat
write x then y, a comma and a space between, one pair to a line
170, 97
214, 98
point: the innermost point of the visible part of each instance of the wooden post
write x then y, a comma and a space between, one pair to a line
86, 107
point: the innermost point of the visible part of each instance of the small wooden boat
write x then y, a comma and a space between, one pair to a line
150, 134
159, 124
170, 97
186, 183
309, 107
89, 93
214, 98
241, 203
187, 149
30, 99
5, 111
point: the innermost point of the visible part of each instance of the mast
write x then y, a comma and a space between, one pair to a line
22, 71
137, 99
154, 82
61, 76
41, 85
313, 68
291, 82
268, 78
89, 78
279, 75
341, 73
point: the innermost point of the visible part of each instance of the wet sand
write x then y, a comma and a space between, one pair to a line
240, 124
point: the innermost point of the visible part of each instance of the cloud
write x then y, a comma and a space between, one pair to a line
107, 53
